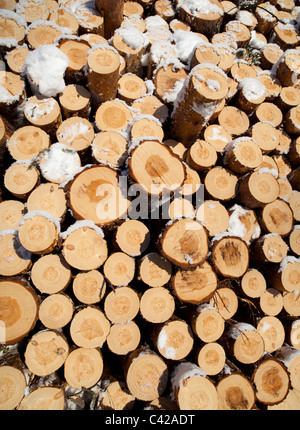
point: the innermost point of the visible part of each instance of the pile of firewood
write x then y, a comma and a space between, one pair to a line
150, 204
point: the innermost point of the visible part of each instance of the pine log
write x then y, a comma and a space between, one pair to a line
165, 79
44, 113
292, 333
89, 287
230, 256
146, 125
295, 205
75, 100
121, 305
211, 358
253, 283
154, 270
64, 18
292, 121
76, 133
265, 135
112, 115
277, 217
201, 155
16, 59
294, 153
44, 398
51, 274
157, 305
110, 147
13, 95
20, 179
182, 207
13, 384
270, 54
48, 197
119, 269
242, 155
294, 240
116, 396
131, 87
27, 142
286, 276
234, 120
214, 216
11, 212
258, 189
272, 85
271, 302
269, 112
272, 331
225, 301
123, 338
288, 98
217, 136
291, 303
151, 105
15, 259
83, 367
132, 237
220, 183
207, 323
76, 50
42, 33
56, 311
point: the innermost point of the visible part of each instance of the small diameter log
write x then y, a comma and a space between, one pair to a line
290, 357
132, 8
225, 301
176, 147
155, 167
269, 56
89, 327
166, 79
90, 20
251, 94
112, 13
13, 25
165, 9
241, 70
146, 125
117, 397
230, 256
123, 338
195, 285
151, 105
83, 367
110, 148
235, 391
146, 374
75, 100
291, 303
112, 115
32, 10
253, 283
154, 270
13, 384
286, 276
119, 269
27, 142
76, 133
132, 237
76, 50
271, 381
42, 33
95, 194
201, 155
44, 398
18, 310
65, 18
48, 197
220, 183
243, 154
13, 95
121, 305
157, 305
285, 35
271, 302
243, 342
84, 246
15, 259
46, 352
295, 204
192, 389
205, 54
184, 242
272, 331
211, 358
11, 212
103, 65
16, 59
39, 232
265, 135
272, 85
234, 120
292, 121
217, 136
44, 113
294, 239
206, 19
51, 274
204, 89
258, 188
89, 287
288, 98
277, 217
241, 32
181, 207
243, 223
269, 112
131, 87
214, 216
20, 180
207, 323
174, 339
56, 311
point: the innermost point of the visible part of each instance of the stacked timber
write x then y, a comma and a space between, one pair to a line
150, 205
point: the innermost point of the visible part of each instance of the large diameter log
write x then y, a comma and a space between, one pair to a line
18, 310
184, 242
204, 89
230, 256
112, 13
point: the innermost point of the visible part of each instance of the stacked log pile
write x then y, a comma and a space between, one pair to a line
150, 204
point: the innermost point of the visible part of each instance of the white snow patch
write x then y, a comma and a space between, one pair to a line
252, 88
203, 7
132, 36
82, 224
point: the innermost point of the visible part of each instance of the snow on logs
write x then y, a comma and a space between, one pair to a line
150, 205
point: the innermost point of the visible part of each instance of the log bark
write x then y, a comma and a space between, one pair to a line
112, 14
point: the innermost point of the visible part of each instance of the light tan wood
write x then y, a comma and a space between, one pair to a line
272, 331
13, 95
123, 338
165, 9
191, 184
266, 136
39, 232
253, 283
46, 352
165, 79
207, 323
290, 403
44, 398
89, 18
195, 285
292, 332
103, 73
286, 276
270, 390
234, 120
294, 204
76, 50
277, 217
201, 155
217, 136
13, 385
269, 112
155, 167
271, 302
181, 207
272, 85
288, 98
230, 256
48, 197
15, 259
42, 33
214, 216
102, 201
20, 179
291, 303
112, 13
292, 121
258, 189
294, 240
116, 397
174, 339
240, 71
12, 26
18, 310
176, 147
270, 248
113, 115
289, 356
270, 54
89, 327
44, 113
205, 54
32, 10
154, 270
56, 311
64, 18
110, 147
151, 105
142, 126
75, 100
16, 59
220, 183
131, 56
157, 305
119, 269
76, 133
211, 358
51, 274
11, 212
89, 287
146, 374
83, 367
192, 389
284, 168
242, 155
131, 87
27, 142
241, 32
285, 36
121, 305
84, 248
93, 39
132, 237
